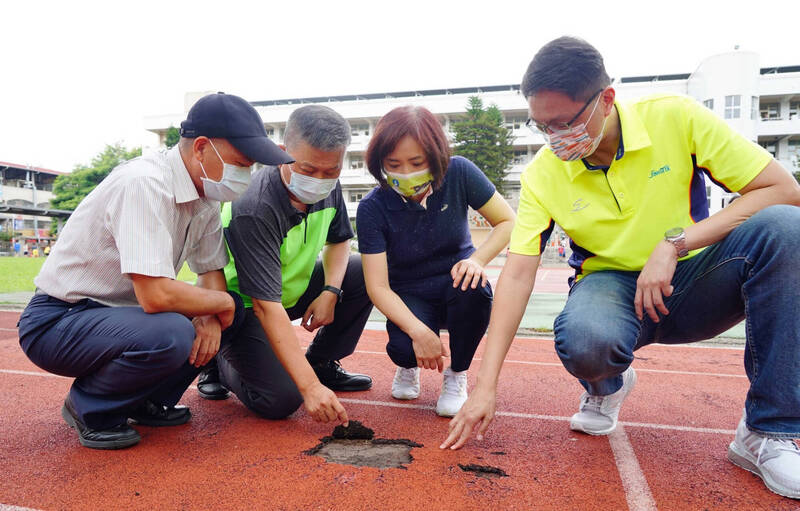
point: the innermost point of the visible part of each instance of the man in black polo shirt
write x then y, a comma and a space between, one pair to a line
275, 232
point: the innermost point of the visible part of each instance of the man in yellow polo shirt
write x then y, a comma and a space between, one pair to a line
626, 181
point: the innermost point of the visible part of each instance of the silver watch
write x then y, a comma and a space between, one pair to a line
677, 237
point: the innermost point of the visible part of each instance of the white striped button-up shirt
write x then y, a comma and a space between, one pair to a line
146, 218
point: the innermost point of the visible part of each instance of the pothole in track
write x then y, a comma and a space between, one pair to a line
356, 445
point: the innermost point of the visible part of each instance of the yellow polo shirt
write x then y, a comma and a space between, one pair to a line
616, 217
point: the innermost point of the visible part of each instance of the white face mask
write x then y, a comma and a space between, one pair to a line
310, 189
233, 183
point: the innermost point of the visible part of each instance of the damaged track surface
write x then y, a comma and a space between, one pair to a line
355, 445
678, 422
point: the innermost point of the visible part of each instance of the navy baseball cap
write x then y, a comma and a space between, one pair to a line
230, 117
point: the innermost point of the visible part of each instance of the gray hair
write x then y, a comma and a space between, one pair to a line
319, 126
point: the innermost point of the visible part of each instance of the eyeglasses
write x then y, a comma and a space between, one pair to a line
538, 127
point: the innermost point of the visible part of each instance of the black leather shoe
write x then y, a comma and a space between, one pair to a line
209, 385
151, 414
331, 374
118, 437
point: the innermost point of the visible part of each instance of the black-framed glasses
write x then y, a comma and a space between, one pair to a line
538, 127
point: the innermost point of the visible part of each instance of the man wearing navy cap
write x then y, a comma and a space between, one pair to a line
116, 319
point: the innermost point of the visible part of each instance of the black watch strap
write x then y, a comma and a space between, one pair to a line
335, 290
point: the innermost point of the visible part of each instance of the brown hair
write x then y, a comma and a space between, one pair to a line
421, 125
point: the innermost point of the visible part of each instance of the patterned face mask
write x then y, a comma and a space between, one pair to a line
575, 143
409, 185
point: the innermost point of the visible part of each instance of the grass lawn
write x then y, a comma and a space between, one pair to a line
17, 273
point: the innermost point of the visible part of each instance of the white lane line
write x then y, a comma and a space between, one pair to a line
558, 364
541, 417
637, 491
6, 507
30, 373
518, 415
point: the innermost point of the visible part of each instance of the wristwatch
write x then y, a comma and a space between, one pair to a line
335, 290
677, 237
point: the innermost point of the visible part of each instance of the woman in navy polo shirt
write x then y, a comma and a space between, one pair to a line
420, 267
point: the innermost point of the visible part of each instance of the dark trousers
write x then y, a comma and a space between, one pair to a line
250, 368
119, 356
435, 302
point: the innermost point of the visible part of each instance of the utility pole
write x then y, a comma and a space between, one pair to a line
31, 182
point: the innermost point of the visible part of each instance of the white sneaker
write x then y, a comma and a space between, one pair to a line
775, 460
454, 393
598, 414
406, 383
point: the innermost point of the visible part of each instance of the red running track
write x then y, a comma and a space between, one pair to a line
668, 454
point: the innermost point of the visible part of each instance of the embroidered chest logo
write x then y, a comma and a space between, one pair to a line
662, 170
579, 205
443, 207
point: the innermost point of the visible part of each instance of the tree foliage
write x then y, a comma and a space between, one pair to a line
70, 189
172, 137
483, 139
797, 176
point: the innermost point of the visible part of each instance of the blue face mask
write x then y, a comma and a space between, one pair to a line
310, 189
233, 183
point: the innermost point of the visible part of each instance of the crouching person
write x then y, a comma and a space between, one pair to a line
115, 318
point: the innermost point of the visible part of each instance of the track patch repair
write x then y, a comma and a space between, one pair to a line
355, 445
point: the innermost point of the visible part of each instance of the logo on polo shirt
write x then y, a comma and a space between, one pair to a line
443, 207
662, 170
579, 205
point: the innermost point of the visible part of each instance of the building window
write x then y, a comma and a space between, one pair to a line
769, 146
356, 196
794, 110
709, 103
733, 105
794, 153
356, 162
520, 156
770, 111
270, 131
359, 129
754, 108
515, 122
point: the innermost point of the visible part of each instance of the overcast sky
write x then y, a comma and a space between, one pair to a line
78, 75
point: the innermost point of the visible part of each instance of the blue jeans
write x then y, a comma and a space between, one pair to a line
753, 274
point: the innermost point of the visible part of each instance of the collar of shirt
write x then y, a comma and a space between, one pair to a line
632, 131
182, 186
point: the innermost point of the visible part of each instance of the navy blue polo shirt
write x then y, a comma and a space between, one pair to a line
423, 242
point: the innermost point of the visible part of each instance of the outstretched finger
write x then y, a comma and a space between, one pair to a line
455, 432
341, 413
484, 426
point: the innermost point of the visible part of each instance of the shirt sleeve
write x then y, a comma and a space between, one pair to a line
478, 187
340, 229
209, 254
730, 159
534, 224
255, 244
139, 220
371, 237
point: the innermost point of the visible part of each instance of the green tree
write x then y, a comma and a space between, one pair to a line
797, 176
172, 137
483, 139
70, 189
